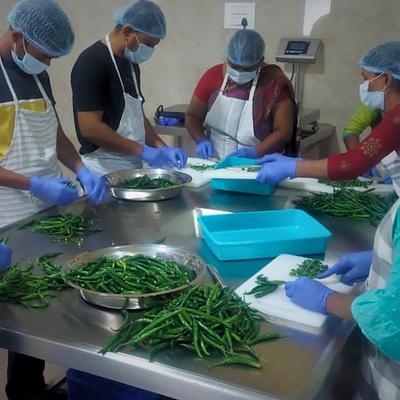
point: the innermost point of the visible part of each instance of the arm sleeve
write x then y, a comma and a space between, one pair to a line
362, 118
383, 139
87, 79
378, 312
209, 83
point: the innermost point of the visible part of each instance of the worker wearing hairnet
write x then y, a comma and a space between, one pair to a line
377, 310
244, 107
32, 140
107, 101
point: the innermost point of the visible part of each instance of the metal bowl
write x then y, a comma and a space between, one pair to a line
180, 179
119, 301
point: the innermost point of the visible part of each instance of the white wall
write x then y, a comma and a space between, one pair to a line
196, 39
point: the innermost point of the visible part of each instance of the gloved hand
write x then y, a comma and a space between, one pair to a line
373, 172
205, 148
93, 185
175, 155
276, 168
353, 267
153, 156
308, 294
246, 152
5, 257
387, 180
53, 190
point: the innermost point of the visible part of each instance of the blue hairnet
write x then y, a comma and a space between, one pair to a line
383, 58
143, 16
44, 24
246, 48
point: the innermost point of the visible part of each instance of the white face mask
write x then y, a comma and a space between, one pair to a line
374, 100
241, 78
28, 64
140, 55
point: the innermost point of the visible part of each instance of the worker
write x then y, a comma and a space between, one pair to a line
380, 68
376, 311
32, 141
111, 126
244, 107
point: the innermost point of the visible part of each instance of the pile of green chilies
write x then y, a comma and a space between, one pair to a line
264, 286
32, 285
201, 167
64, 227
310, 268
144, 182
130, 275
349, 203
348, 183
205, 320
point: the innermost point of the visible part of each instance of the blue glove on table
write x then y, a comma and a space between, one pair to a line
308, 294
276, 168
175, 155
153, 156
5, 257
353, 267
93, 185
246, 152
205, 148
53, 190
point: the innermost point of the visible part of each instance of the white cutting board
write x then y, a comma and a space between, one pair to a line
312, 185
199, 178
232, 173
277, 305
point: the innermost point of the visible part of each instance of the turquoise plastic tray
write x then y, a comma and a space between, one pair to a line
263, 234
240, 185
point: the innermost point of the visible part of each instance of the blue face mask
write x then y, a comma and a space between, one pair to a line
140, 55
29, 64
374, 100
241, 77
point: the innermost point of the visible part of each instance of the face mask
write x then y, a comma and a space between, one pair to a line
374, 100
140, 55
29, 64
241, 78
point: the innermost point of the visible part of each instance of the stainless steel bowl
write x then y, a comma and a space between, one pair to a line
179, 179
119, 301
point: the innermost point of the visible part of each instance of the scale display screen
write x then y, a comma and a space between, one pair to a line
297, 47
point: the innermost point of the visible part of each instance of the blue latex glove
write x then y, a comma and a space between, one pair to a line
353, 267
246, 152
93, 185
153, 156
175, 155
371, 174
276, 168
387, 180
308, 294
205, 148
53, 190
5, 257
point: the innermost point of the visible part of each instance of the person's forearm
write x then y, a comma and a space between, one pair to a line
13, 180
340, 305
152, 139
195, 127
312, 168
351, 141
67, 153
274, 142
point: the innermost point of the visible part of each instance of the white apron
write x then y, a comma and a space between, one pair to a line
130, 127
230, 121
33, 152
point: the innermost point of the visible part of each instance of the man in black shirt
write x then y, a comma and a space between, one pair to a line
107, 102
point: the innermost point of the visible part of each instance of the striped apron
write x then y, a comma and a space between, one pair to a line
33, 152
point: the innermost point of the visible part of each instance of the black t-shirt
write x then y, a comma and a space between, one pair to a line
96, 87
24, 84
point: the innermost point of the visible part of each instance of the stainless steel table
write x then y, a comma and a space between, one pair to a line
70, 332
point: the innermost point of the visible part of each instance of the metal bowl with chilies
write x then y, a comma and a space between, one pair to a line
192, 263
146, 184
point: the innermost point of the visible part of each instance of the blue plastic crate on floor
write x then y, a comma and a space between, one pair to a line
263, 234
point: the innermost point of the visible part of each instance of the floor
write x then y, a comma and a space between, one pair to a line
53, 373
